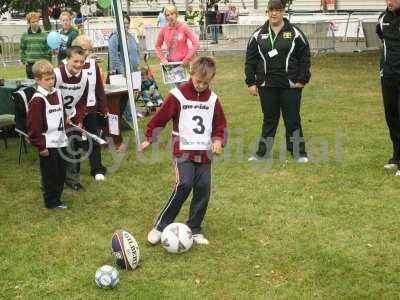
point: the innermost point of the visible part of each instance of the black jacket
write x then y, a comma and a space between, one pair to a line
388, 30
291, 65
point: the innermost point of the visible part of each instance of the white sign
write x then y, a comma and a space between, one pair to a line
113, 124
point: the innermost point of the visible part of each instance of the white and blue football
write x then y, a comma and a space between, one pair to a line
106, 277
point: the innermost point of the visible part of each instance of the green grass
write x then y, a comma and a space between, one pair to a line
328, 229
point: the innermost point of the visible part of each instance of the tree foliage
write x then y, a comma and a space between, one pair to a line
34, 5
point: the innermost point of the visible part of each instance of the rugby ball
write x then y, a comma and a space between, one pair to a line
125, 250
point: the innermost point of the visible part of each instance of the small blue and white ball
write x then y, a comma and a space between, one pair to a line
177, 238
106, 277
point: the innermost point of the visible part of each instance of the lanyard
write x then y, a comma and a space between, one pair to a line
270, 36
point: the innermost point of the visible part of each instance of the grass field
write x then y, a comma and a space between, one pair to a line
325, 230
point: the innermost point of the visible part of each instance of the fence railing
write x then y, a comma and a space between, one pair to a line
9, 49
325, 32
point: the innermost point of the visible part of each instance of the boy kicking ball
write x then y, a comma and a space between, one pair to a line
199, 126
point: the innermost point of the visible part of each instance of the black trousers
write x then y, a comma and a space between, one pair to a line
391, 104
28, 70
273, 101
90, 124
73, 157
190, 176
52, 170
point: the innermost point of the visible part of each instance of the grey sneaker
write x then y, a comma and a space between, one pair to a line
60, 207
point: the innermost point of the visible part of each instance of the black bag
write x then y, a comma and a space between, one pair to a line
22, 95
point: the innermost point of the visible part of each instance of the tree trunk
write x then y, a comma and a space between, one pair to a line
45, 17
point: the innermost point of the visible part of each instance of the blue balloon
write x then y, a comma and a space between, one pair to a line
54, 40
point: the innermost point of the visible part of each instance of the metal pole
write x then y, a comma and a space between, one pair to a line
117, 7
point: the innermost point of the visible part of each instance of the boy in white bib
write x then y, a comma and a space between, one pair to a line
46, 129
199, 127
96, 106
73, 85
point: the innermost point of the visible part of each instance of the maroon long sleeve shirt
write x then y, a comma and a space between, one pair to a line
170, 110
36, 118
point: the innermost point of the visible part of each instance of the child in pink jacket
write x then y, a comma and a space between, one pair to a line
176, 35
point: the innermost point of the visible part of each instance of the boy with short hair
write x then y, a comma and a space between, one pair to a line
199, 126
96, 104
73, 85
46, 131
33, 44
68, 34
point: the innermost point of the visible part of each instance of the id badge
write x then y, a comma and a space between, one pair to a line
273, 53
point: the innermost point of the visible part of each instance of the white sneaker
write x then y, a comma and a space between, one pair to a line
200, 239
397, 173
302, 160
389, 166
154, 236
149, 104
255, 158
99, 177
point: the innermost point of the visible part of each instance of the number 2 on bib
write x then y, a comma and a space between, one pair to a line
67, 101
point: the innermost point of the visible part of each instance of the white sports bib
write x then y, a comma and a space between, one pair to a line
55, 135
71, 92
91, 75
195, 122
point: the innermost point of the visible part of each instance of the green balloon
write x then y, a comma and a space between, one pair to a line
104, 3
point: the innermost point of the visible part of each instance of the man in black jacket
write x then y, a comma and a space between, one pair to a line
277, 67
388, 31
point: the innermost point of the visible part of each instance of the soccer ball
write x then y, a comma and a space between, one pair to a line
177, 238
106, 277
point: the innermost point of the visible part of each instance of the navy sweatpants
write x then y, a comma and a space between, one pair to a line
189, 176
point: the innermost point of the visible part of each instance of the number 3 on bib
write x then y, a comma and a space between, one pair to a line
200, 127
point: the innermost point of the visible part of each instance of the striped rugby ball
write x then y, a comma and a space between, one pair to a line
125, 250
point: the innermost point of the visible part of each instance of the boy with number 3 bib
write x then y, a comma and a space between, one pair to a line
199, 126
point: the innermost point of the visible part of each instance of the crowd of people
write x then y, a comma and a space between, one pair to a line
71, 97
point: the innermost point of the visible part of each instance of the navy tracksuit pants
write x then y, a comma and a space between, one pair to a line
190, 176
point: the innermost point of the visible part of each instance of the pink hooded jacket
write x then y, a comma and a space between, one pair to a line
176, 38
